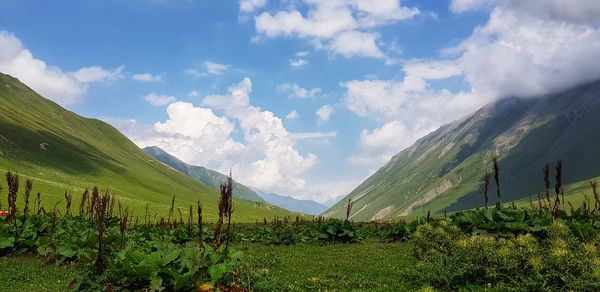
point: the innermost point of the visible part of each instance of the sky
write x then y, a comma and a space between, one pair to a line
304, 98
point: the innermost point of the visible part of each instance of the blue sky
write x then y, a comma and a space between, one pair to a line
303, 98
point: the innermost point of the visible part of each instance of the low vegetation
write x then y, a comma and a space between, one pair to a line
546, 246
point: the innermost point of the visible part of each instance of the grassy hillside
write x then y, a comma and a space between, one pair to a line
443, 170
62, 151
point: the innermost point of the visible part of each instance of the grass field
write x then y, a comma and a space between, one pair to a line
29, 273
361, 266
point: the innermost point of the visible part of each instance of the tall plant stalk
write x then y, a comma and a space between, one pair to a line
13, 188
200, 230
497, 179
486, 185
225, 209
349, 209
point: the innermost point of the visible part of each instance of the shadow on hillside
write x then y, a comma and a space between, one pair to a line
67, 154
572, 136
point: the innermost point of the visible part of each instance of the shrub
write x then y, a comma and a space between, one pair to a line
448, 259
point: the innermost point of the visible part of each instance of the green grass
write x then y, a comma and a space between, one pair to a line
28, 273
371, 266
364, 266
62, 151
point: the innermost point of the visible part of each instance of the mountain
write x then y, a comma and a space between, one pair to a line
63, 151
303, 206
204, 175
213, 179
443, 170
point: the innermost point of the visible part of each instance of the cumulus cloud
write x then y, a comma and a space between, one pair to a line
52, 82
193, 93
324, 113
377, 146
341, 26
251, 5
526, 48
266, 157
533, 49
296, 91
147, 77
293, 115
159, 100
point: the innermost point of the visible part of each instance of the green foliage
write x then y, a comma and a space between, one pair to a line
449, 259
162, 265
334, 230
399, 231
327, 232
147, 258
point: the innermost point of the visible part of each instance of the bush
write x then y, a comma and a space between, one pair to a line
338, 231
449, 259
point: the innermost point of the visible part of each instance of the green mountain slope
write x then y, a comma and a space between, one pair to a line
62, 152
204, 175
442, 171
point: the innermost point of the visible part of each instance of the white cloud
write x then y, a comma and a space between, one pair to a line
193, 93
460, 6
293, 115
582, 11
302, 54
147, 77
313, 135
328, 193
52, 82
159, 100
96, 73
526, 48
337, 25
266, 158
298, 63
356, 43
210, 68
295, 91
215, 68
251, 5
378, 146
533, 49
324, 113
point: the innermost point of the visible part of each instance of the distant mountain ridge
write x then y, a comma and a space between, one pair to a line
207, 176
442, 171
303, 206
214, 179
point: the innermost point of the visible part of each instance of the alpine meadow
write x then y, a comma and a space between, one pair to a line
343, 145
